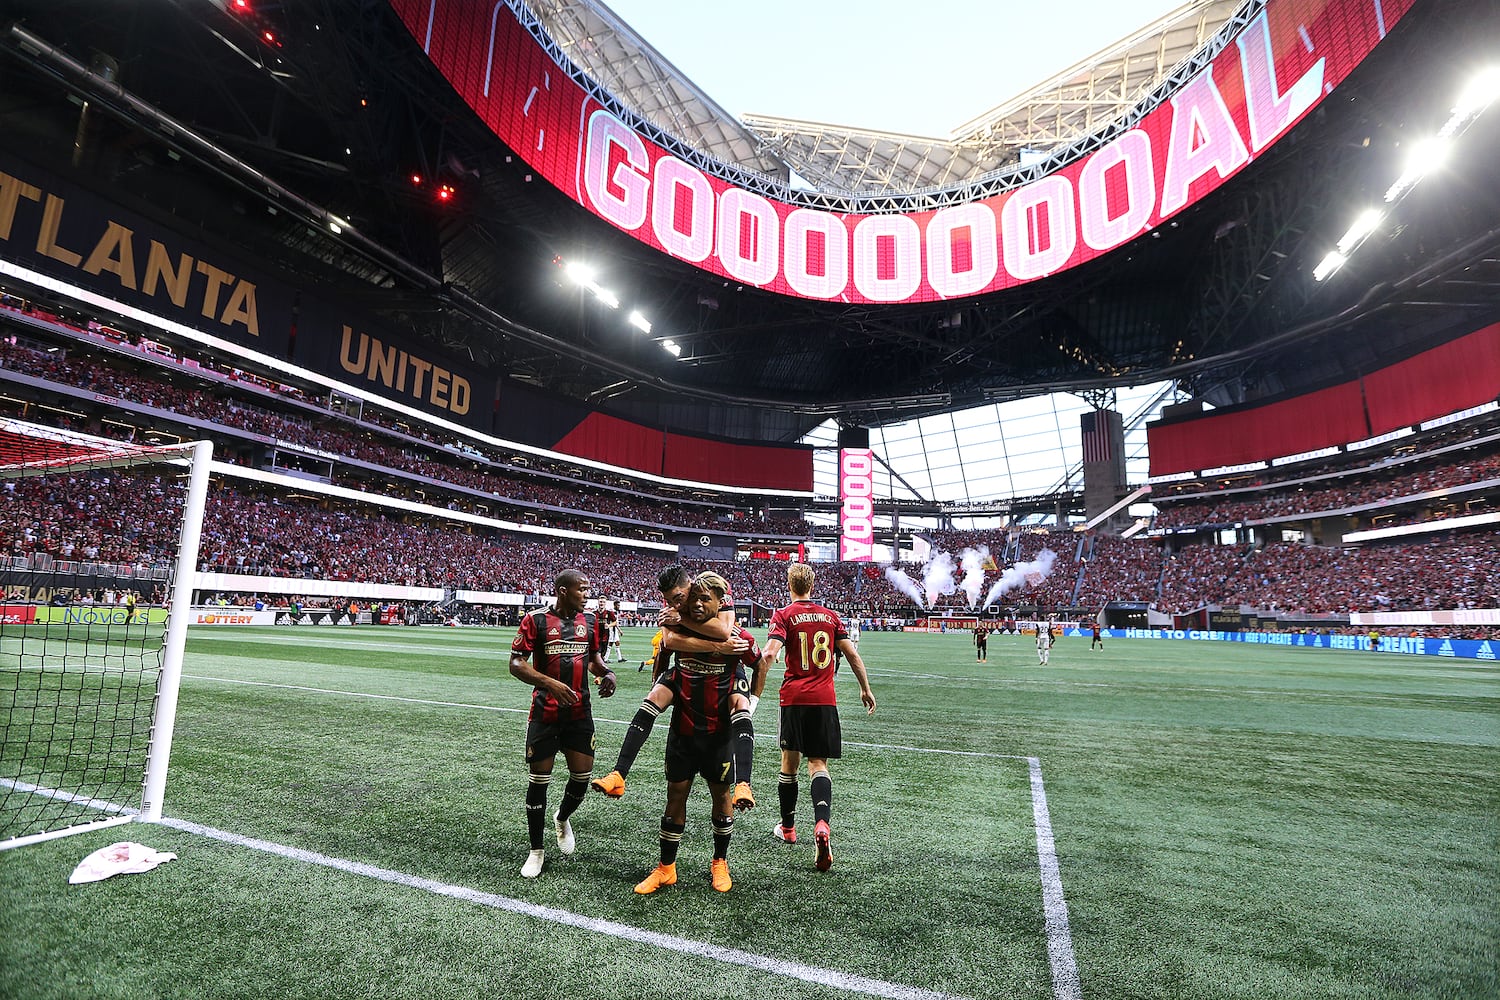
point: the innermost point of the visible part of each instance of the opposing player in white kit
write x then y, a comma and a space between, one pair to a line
1043, 642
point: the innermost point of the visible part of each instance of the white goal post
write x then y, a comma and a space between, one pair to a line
90, 664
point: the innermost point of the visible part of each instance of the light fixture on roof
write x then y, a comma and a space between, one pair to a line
1483, 89
672, 347
640, 322
608, 297
1330, 263
1364, 224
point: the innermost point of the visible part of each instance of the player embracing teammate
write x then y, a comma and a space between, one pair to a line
813, 637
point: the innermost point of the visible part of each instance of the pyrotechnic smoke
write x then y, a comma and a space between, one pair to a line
1030, 573
972, 561
905, 584
937, 577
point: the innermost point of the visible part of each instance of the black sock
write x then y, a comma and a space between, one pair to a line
723, 827
744, 744
822, 796
536, 808
671, 836
635, 736
786, 790
573, 793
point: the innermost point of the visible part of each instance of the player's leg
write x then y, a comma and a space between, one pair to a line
579, 753
656, 702
822, 800
541, 749
723, 820
673, 822
786, 793
744, 740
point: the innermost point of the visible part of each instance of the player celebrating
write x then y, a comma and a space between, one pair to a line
813, 637
565, 641
717, 635
1043, 642
699, 740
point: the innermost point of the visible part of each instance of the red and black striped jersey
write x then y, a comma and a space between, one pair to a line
810, 633
562, 649
703, 683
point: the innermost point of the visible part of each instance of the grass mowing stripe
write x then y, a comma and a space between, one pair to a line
702, 949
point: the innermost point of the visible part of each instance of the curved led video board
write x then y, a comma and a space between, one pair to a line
1280, 66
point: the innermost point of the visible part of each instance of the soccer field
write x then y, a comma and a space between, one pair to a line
1225, 821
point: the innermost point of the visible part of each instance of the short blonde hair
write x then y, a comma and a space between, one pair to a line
710, 580
799, 578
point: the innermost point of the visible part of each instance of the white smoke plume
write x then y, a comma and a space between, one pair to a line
937, 577
1030, 573
905, 584
972, 562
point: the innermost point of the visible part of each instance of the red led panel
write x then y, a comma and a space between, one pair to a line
1277, 69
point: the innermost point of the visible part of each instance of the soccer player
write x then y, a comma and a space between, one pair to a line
813, 637
1098, 632
613, 621
981, 642
564, 642
700, 738
718, 635
1043, 642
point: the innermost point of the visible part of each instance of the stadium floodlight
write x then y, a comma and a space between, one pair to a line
640, 322
608, 297
1425, 157
336, 225
1364, 224
672, 347
581, 274
1481, 91
1332, 262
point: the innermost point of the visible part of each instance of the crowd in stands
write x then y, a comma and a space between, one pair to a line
1339, 494
130, 517
339, 436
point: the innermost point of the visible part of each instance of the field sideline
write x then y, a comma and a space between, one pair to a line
1228, 821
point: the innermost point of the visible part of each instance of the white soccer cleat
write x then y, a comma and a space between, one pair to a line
533, 866
565, 841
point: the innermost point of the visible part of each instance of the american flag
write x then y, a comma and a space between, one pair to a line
1095, 426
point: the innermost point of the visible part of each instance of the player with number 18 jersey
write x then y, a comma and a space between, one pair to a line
810, 633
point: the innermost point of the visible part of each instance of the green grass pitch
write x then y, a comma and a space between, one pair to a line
1229, 821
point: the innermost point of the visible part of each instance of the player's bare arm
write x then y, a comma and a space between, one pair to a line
770, 653
606, 676
851, 653
521, 669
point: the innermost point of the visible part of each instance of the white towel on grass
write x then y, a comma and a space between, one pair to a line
124, 858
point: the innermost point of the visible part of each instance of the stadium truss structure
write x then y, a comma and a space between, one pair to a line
851, 169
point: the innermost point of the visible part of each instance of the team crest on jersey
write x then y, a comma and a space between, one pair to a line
580, 631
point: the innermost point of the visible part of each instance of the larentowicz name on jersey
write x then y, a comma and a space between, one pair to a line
1090, 207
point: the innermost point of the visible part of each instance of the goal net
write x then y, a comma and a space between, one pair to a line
101, 540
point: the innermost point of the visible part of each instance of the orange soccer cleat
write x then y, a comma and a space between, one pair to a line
612, 784
719, 871
743, 798
660, 875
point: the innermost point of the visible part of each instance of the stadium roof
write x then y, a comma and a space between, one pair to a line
1074, 103
336, 115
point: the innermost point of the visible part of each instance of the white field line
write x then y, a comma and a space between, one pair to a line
687, 946
1065, 983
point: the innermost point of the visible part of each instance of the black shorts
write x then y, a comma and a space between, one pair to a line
811, 730
741, 680
982, 645
711, 755
544, 739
